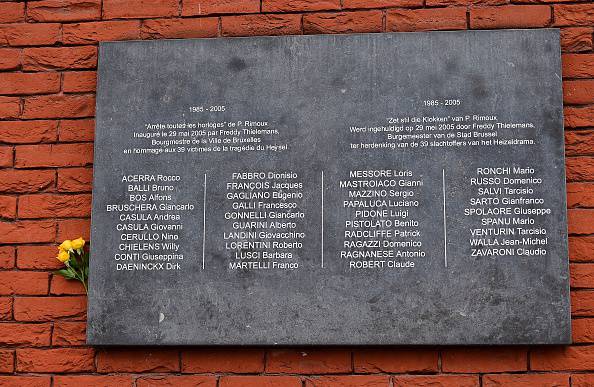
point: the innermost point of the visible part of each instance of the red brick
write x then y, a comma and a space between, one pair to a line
348, 381
93, 381
582, 330
342, 22
436, 381
12, 12
27, 231
510, 16
69, 334
29, 34
10, 58
13, 230
79, 81
260, 381
29, 83
55, 360
142, 360
581, 249
59, 58
577, 117
28, 283
6, 362
77, 130
562, 358
25, 381
582, 275
493, 359
59, 106
180, 28
579, 142
52, 205
7, 257
426, 19
6, 156
55, 155
61, 286
578, 65
63, 10
578, 91
323, 361
223, 360
576, 39
200, 8
49, 308
330, 377
358, 4
7, 209
75, 179
23, 132
10, 107
536, 380
580, 168
261, 25
573, 14
34, 335
395, 361
580, 221
582, 303
442, 3
122, 9
299, 5
15, 181
6, 308
582, 380
38, 257
67, 228
177, 381
539, 1
93, 32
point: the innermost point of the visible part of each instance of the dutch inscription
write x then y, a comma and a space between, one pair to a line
311, 196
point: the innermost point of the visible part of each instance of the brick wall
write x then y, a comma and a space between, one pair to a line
48, 55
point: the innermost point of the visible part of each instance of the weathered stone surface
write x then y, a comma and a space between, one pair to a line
324, 111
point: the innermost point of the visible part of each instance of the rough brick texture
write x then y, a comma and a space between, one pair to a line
48, 64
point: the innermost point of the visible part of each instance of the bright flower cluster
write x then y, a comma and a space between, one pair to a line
69, 246
73, 255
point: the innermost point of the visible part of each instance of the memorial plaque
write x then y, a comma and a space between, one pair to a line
363, 189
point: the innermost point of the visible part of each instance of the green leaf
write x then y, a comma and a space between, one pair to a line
85, 264
74, 262
66, 273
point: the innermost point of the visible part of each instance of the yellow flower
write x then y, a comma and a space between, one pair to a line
64, 256
66, 245
78, 243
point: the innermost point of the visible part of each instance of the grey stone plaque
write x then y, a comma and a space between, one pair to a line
310, 190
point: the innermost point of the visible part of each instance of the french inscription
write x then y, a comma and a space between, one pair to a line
316, 197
